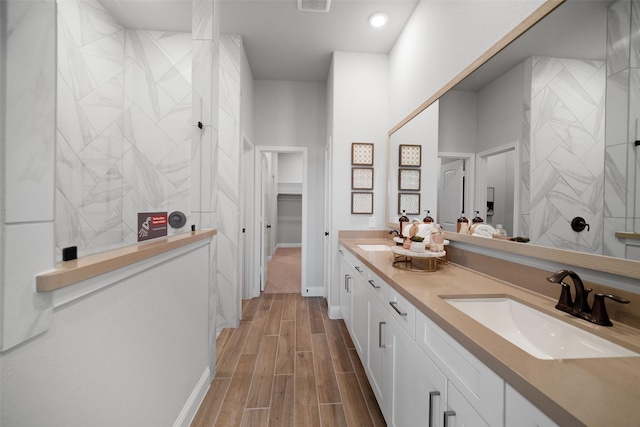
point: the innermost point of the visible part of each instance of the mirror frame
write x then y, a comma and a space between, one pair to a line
603, 263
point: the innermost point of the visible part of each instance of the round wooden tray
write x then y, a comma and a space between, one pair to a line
419, 262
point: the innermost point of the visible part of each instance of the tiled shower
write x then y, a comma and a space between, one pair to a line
123, 127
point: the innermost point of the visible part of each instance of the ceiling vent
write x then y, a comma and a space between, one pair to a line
314, 5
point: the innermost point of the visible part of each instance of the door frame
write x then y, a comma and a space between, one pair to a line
259, 150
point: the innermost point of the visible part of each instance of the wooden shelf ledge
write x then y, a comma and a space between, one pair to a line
69, 272
627, 235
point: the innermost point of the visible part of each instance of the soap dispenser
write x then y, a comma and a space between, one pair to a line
404, 220
477, 219
427, 219
462, 224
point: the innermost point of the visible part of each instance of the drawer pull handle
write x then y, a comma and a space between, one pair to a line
448, 414
432, 394
394, 304
357, 267
341, 251
380, 345
372, 283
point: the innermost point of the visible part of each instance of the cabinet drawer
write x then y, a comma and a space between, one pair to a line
403, 311
377, 287
479, 385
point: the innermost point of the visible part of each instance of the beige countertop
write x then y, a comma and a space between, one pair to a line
572, 392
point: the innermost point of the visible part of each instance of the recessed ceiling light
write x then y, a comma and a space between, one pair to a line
378, 20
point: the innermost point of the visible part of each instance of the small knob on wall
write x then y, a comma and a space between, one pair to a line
578, 224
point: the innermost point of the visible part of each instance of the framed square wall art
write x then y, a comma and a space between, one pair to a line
362, 178
409, 179
361, 203
409, 203
410, 155
362, 153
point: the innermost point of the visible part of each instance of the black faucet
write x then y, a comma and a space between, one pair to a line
580, 306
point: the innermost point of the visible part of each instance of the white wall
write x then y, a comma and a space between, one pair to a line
440, 40
130, 354
500, 110
360, 92
293, 114
458, 122
290, 167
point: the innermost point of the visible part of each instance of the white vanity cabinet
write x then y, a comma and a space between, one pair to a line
419, 374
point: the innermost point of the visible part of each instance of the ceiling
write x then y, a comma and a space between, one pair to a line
281, 42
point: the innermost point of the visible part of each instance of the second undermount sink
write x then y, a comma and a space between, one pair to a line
374, 248
539, 334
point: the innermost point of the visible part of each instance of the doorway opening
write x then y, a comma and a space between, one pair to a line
280, 217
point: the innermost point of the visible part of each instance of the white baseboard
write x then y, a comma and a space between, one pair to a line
288, 245
193, 403
316, 291
335, 312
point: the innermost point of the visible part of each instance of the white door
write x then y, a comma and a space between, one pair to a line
450, 194
264, 221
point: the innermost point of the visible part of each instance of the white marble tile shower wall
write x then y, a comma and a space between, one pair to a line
124, 134
567, 148
622, 163
205, 77
228, 167
27, 164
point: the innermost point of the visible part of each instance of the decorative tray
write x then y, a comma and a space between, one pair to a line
426, 254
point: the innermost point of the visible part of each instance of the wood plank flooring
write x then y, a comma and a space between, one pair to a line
288, 364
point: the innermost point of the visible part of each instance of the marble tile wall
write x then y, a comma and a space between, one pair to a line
27, 164
205, 82
228, 167
622, 162
123, 129
566, 151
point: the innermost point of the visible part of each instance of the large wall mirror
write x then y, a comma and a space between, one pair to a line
544, 125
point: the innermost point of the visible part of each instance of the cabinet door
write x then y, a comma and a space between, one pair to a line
459, 412
346, 276
522, 413
377, 352
359, 320
418, 387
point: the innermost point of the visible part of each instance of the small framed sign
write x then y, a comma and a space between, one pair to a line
409, 179
361, 203
151, 225
410, 155
409, 203
362, 153
362, 178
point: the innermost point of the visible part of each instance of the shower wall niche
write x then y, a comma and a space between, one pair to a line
123, 127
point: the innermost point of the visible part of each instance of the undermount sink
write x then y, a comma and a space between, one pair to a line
539, 334
374, 248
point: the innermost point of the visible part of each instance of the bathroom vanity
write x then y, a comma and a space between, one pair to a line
431, 364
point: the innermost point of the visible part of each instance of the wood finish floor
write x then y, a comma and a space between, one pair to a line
288, 364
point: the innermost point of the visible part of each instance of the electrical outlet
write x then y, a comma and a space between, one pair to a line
372, 222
